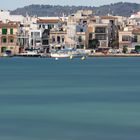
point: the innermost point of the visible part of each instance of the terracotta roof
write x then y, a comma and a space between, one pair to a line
93, 18
48, 20
8, 25
136, 31
108, 17
14, 22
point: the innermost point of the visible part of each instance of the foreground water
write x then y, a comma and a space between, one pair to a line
44, 99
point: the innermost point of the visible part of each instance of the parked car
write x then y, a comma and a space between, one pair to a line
133, 52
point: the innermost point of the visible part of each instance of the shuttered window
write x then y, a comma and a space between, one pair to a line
4, 31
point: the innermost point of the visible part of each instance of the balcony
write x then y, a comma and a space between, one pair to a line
7, 35
101, 37
8, 44
100, 30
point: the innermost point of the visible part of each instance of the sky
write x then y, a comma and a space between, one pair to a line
13, 4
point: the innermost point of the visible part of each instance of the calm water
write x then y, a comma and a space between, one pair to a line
44, 99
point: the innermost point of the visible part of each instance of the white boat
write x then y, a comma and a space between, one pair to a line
77, 53
83, 58
30, 54
59, 55
68, 53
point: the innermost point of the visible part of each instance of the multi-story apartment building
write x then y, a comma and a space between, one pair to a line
129, 39
136, 39
45, 25
112, 22
35, 39
76, 35
125, 39
48, 23
8, 37
45, 40
98, 35
77, 28
57, 38
23, 37
81, 40
102, 32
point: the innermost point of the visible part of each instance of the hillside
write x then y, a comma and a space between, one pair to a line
121, 8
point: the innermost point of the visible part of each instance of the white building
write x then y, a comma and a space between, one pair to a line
5, 16
135, 19
35, 37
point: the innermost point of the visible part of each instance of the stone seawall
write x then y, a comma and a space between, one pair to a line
115, 55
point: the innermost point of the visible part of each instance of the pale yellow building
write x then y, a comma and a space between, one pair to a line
125, 39
98, 31
57, 39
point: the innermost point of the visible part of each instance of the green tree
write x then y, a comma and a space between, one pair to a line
125, 49
94, 43
115, 44
80, 39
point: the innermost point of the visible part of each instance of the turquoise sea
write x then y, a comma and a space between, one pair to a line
95, 99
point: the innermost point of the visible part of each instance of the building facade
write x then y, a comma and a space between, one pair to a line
8, 37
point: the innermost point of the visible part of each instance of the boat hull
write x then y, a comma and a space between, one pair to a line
60, 55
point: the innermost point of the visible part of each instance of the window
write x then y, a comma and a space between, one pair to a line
80, 46
39, 26
135, 38
80, 38
11, 40
11, 31
45, 42
4, 40
31, 34
4, 31
32, 42
100, 30
63, 39
35, 34
81, 30
90, 36
3, 49
126, 38
53, 38
49, 27
112, 21
58, 39
100, 37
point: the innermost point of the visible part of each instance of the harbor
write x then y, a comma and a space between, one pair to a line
71, 99
69, 70
69, 36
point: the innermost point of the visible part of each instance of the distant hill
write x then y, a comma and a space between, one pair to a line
121, 8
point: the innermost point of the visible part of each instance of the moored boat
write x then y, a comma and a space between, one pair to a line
59, 55
29, 54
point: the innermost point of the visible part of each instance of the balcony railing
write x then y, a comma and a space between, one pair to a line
8, 44
100, 32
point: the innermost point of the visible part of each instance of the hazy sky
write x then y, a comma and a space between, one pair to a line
13, 4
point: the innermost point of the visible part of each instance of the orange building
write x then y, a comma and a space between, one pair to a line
8, 37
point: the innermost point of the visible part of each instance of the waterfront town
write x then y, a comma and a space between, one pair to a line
83, 30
